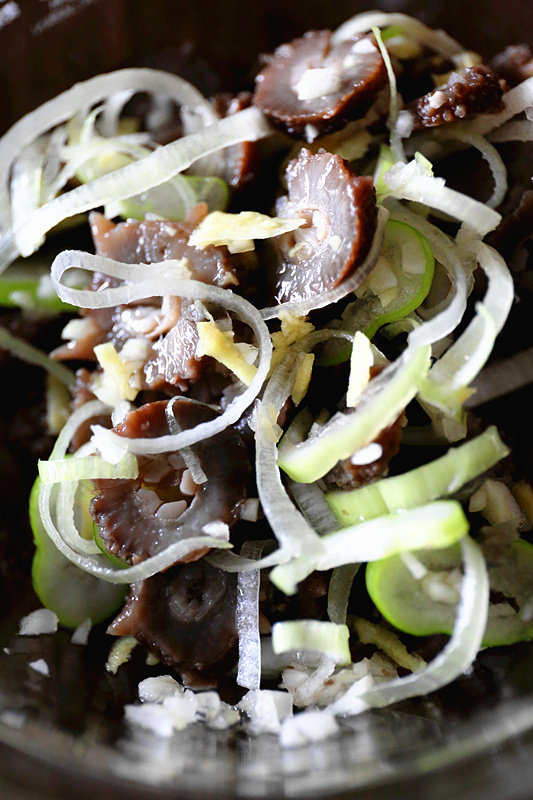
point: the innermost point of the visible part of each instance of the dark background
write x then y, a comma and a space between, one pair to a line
50, 44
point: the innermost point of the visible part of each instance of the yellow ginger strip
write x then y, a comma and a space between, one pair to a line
237, 231
361, 360
388, 642
292, 329
220, 345
302, 377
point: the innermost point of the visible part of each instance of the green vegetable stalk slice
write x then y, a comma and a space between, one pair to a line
424, 605
397, 285
73, 594
441, 477
28, 286
435, 525
313, 636
381, 402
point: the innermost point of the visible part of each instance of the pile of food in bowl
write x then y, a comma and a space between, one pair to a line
268, 462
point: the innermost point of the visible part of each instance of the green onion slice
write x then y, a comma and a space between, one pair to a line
323, 638
443, 476
424, 605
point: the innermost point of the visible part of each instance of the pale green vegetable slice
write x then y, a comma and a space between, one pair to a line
61, 586
434, 525
425, 605
440, 477
321, 638
382, 401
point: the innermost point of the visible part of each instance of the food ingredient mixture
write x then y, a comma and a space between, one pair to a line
267, 463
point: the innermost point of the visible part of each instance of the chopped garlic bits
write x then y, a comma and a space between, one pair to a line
237, 231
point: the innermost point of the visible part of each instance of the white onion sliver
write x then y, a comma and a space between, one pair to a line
295, 535
447, 253
489, 153
452, 661
405, 182
79, 97
159, 284
436, 40
247, 621
187, 453
313, 505
340, 586
86, 467
462, 362
112, 110
133, 179
64, 511
433, 525
26, 182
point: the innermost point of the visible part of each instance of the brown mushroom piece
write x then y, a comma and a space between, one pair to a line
150, 242
340, 208
347, 475
314, 81
141, 517
186, 616
514, 64
477, 90
241, 160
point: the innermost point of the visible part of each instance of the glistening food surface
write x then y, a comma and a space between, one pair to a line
319, 323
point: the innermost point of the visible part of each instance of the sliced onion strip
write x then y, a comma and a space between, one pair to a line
407, 182
158, 282
465, 358
133, 179
487, 150
247, 621
436, 40
456, 657
80, 97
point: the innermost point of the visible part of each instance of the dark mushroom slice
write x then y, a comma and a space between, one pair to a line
346, 475
151, 241
173, 358
312, 81
242, 160
139, 518
477, 90
186, 616
514, 64
340, 207
146, 242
